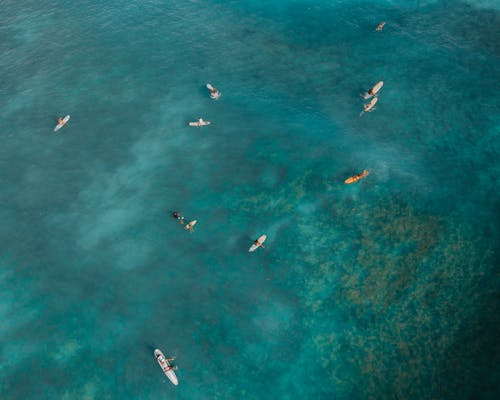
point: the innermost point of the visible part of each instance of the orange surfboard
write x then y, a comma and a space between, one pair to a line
356, 178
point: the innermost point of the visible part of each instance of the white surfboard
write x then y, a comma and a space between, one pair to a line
214, 93
190, 225
257, 243
368, 107
199, 123
374, 90
165, 366
59, 126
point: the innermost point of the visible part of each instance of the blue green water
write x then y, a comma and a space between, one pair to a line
386, 289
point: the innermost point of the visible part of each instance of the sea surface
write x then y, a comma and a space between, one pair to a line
384, 289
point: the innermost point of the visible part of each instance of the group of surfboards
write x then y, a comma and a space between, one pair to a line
372, 94
259, 242
368, 107
164, 362
215, 95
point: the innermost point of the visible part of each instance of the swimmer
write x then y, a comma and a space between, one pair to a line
380, 26
179, 217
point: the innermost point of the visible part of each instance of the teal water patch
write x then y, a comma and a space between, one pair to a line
381, 289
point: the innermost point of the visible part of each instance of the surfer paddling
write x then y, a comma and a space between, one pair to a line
214, 93
190, 226
61, 122
380, 26
374, 90
258, 243
369, 107
199, 123
356, 177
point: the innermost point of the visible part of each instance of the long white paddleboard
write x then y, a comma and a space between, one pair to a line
198, 123
259, 241
59, 126
374, 90
165, 366
214, 93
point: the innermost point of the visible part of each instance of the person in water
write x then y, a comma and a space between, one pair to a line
179, 217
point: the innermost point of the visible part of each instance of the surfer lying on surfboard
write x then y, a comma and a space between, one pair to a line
190, 226
369, 107
214, 93
61, 122
380, 26
374, 90
200, 122
258, 243
356, 177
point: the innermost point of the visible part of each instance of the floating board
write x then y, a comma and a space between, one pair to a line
380, 26
214, 93
191, 224
164, 364
59, 126
374, 90
260, 240
198, 123
370, 105
356, 178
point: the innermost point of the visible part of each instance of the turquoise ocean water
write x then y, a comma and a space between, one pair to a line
386, 289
